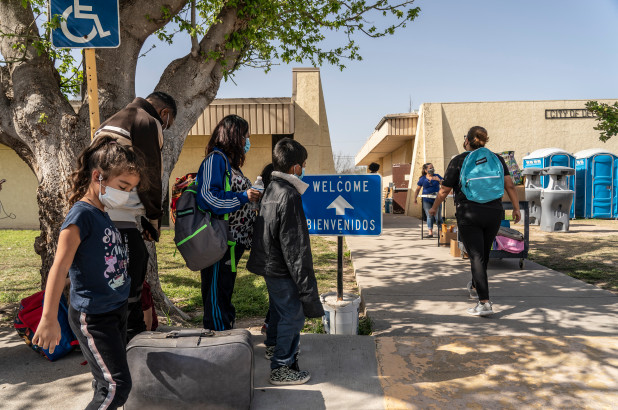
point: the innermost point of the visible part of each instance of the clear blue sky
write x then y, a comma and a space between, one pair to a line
475, 50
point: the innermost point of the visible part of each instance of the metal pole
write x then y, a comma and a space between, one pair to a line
93, 89
340, 268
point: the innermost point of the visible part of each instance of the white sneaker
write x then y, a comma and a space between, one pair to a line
472, 291
481, 309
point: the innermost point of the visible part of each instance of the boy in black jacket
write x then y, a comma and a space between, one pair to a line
281, 252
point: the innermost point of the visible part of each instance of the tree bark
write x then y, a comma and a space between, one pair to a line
40, 125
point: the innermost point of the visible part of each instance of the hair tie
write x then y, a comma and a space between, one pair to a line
112, 142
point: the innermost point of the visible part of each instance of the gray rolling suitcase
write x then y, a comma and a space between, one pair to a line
191, 369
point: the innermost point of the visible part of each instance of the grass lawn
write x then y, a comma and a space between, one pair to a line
19, 277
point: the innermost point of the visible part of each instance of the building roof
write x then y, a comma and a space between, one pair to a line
265, 115
392, 131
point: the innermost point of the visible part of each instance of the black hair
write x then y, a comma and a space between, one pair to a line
477, 137
425, 166
266, 174
229, 136
373, 167
288, 153
165, 99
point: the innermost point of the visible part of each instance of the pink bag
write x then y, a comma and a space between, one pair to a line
509, 245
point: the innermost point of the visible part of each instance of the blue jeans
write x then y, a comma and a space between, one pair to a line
286, 320
426, 207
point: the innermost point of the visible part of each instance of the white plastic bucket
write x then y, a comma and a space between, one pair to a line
340, 317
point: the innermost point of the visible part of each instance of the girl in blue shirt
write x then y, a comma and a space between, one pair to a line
430, 182
91, 251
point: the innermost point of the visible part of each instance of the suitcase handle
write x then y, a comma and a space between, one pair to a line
189, 332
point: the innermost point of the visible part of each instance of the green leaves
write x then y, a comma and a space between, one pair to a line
607, 116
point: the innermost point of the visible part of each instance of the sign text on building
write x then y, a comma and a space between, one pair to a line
568, 114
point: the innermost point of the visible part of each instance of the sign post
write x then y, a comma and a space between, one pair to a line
337, 205
93, 89
87, 24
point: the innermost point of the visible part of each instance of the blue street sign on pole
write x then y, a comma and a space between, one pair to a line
343, 204
86, 23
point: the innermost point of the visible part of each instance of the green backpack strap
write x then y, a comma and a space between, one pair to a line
231, 244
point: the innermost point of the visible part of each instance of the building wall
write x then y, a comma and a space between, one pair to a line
518, 126
310, 120
19, 208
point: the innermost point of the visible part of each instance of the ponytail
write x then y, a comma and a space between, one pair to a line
477, 137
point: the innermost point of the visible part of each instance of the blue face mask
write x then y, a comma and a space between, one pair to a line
302, 173
247, 145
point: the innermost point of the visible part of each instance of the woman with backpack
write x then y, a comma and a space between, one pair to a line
479, 179
225, 192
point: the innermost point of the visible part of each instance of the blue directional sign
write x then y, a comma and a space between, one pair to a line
86, 23
343, 204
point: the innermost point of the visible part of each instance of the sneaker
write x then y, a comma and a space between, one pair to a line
481, 309
270, 351
472, 291
285, 376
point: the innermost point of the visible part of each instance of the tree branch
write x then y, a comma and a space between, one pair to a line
194, 81
116, 66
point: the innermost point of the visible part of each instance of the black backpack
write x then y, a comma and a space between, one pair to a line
201, 238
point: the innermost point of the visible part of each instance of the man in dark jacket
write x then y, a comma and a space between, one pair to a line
281, 252
140, 124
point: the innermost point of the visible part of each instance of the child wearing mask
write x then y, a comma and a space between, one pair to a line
91, 250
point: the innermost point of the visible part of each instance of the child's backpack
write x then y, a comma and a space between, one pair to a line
201, 238
482, 176
27, 322
179, 187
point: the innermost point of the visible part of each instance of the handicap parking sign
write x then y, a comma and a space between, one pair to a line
343, 204
86, 23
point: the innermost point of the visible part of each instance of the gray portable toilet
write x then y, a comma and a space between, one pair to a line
533, 189
556, 199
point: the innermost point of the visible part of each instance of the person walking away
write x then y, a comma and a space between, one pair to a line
430, 183
477, 223
140, 124
222, 190
92, 251
281, 253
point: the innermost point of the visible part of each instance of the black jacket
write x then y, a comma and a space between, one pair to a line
281, 246
138, 122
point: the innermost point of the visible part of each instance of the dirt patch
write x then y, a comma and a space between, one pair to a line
588, 251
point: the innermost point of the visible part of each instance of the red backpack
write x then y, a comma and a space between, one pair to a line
27, 321
179, 187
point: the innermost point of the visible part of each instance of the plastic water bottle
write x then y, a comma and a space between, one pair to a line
258, 185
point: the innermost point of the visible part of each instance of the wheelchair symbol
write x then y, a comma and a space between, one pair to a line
78, 10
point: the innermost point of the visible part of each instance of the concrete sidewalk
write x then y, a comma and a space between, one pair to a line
343, 375
552, 343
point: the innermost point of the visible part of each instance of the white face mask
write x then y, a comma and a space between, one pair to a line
113, 198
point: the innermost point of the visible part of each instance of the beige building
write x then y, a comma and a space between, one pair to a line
301, 116
435, 134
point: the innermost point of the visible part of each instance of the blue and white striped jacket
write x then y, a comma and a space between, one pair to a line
211, 184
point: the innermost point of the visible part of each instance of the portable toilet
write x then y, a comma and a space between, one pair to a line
595, 184
552, 157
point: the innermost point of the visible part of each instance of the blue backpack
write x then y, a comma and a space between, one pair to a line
482, 176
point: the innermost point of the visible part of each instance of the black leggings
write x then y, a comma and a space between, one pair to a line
138, 265
102, 340
478, 226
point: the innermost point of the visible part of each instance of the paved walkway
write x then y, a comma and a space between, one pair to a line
553, 342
